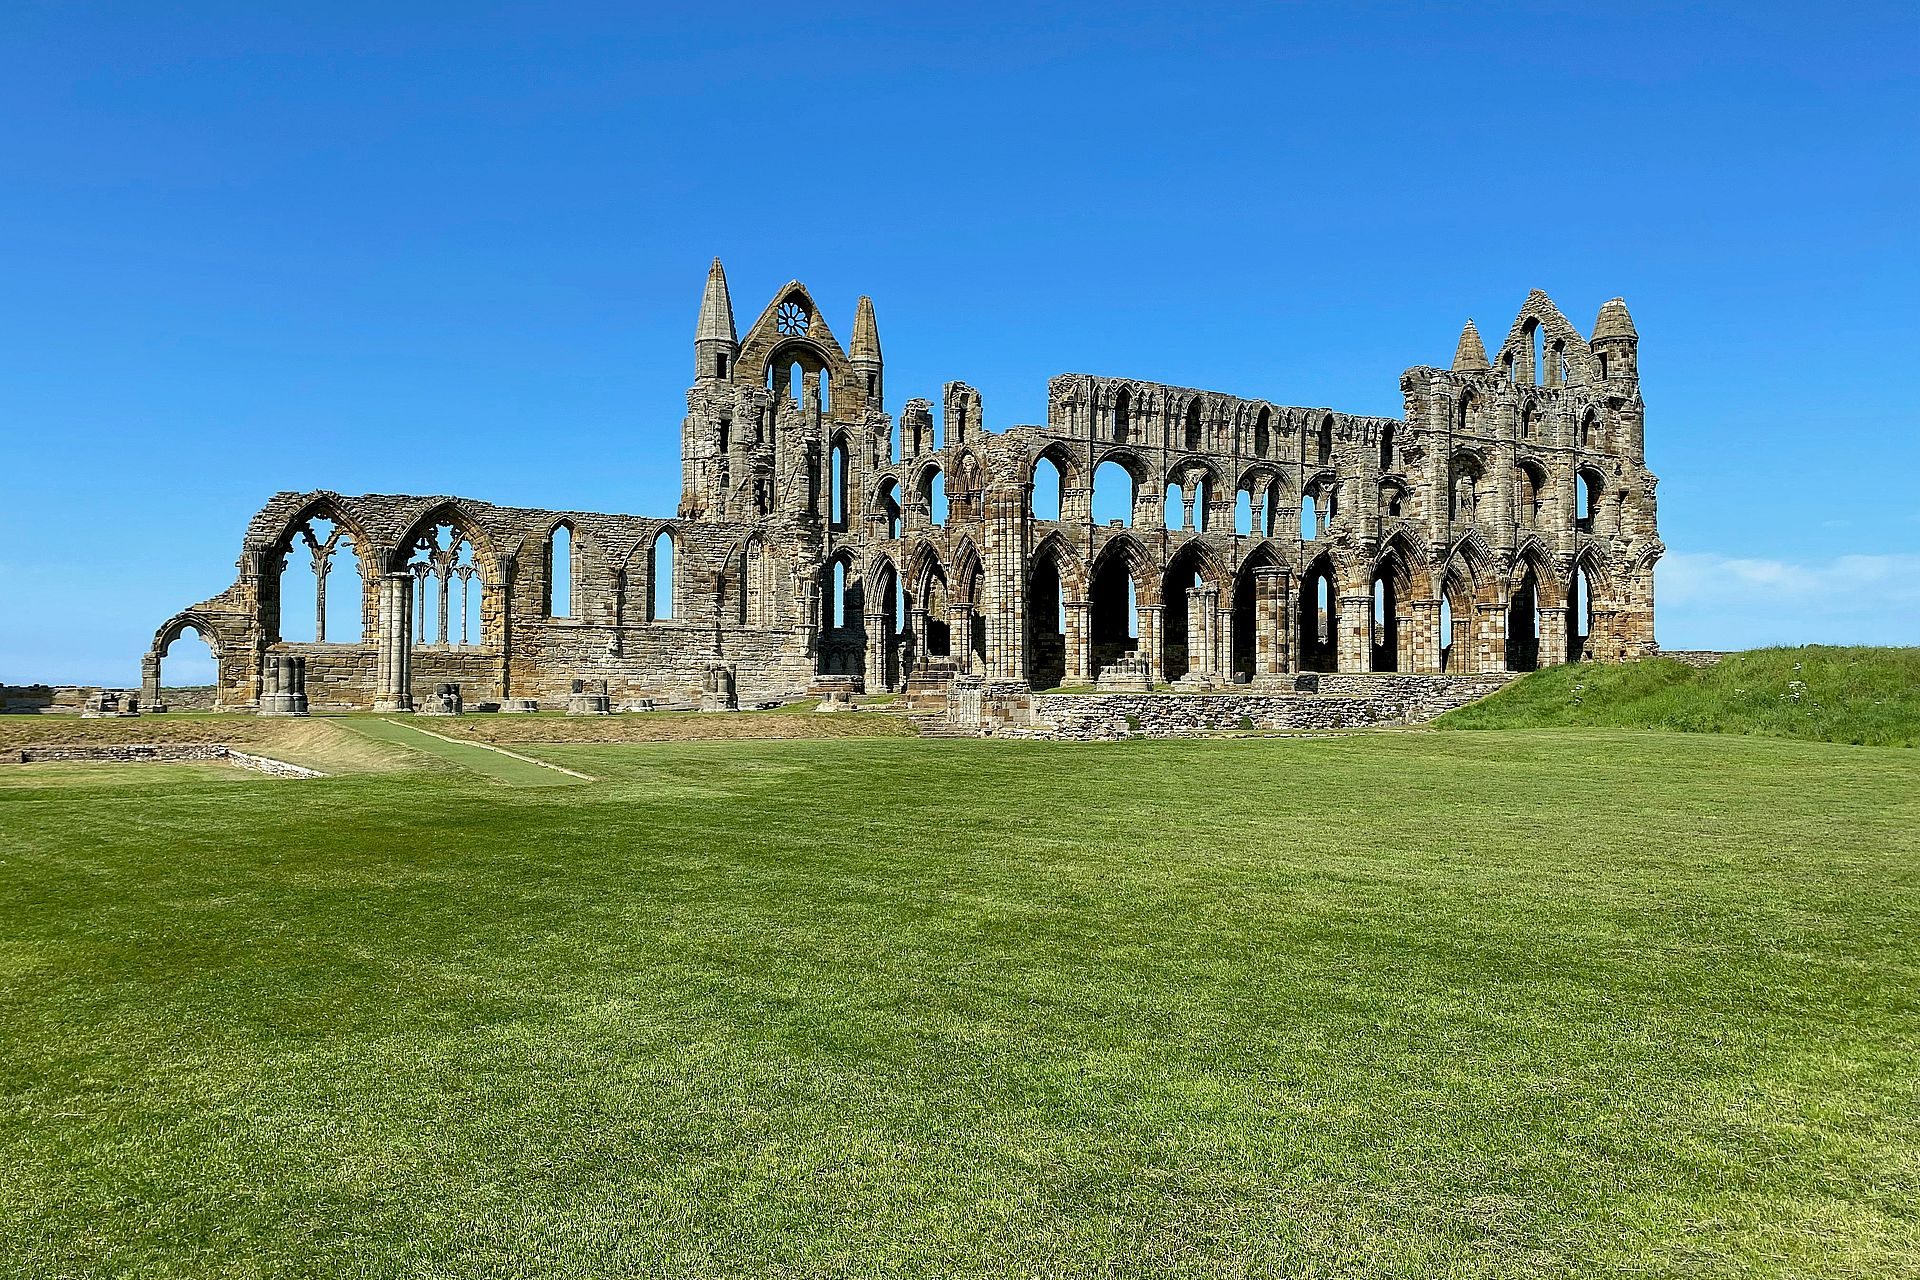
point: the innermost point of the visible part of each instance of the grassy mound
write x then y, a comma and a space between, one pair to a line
1861, 696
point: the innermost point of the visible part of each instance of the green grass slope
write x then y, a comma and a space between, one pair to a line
1861, 696
1548, 1003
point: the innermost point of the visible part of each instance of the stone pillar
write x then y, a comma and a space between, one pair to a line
393, 662
1553, 636
1404, 638
150, 683
1287, 656
1150, 643
960, 619
879, 645
283, 685
1491, 638
1427, 640
1211, 631
1005, 562
322, 566
1079, 642
919, 630
1354, 643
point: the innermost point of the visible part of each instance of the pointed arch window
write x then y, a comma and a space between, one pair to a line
450, 589
662, 594
319, 554
560, 560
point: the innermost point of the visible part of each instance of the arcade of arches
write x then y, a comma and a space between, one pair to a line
1506, 520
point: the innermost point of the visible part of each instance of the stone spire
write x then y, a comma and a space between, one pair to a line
1471, 355
716, 309
865, 354
866, 334
715, 343
1614, 322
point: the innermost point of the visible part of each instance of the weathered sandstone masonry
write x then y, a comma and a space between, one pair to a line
1505, 521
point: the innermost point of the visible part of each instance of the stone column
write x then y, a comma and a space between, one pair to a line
1210, 614
1553, 636
393, 662
1491, 638
1427, 640
322, 566
1150, 642
1404, 638
1005, 562
150, 683
1079, 642
879, 646
1267, 657
1354, 643
919, 627
960, 619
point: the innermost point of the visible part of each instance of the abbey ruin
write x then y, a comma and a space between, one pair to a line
1504, 522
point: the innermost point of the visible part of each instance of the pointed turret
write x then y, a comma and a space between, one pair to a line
1471, 355
1616, 343
715, 343
865, 354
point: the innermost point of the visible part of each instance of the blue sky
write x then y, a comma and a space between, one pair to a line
460, 249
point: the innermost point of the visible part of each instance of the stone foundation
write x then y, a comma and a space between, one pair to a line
161, 753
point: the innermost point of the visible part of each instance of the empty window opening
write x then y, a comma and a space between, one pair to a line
560, 572
1049, 490
937, 498
837, 480
1262, 433
322, 593
889, 506
1178, 514
1114, 494
663, 580
1243, 514
1386, 447
1590, 489
1195, 433
1121, 426
449, 590
1323, 442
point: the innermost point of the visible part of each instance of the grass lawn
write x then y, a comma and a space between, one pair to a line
1518, 1003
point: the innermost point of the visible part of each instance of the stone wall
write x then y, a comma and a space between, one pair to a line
160, 753
1695, 657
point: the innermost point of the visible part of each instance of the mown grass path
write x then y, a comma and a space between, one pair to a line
514, 769
1508, 1004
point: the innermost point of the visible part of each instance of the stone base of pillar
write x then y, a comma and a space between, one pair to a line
283, 704
393, 706
520, 706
